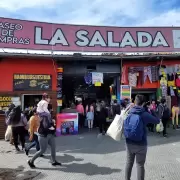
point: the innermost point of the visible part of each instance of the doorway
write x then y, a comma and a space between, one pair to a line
30, 100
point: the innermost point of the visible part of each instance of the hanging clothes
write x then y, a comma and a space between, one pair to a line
147, 73
132, 77
155, 73
124, 77
163, 83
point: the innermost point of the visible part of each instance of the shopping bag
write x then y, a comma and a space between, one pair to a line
115, 130
159, 127
8, 133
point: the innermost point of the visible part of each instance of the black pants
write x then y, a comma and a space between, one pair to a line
102, 125
19, 132
165, 121
81, 120
151, 127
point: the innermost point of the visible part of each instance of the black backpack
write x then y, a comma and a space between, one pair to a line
44, 126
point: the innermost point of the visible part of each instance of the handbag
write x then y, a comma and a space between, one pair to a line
115, 130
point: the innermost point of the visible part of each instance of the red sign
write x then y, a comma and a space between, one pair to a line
76, 38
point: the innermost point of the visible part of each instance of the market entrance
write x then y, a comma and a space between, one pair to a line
78, 81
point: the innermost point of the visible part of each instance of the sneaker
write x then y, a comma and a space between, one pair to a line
99, 135
27, 152
56, 164
165, 135
31, 165
17, 149
41, 155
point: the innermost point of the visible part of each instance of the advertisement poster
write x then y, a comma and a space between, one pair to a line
67, 124
32, 82
22, 34
97, 77
5, 101
125, 92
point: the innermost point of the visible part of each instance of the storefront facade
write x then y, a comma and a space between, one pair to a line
78, 41
26, 76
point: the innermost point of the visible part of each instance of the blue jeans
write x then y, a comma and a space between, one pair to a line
34, 142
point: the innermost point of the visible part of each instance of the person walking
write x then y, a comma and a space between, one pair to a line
34, 123
80, 110
103, 114
18, 123
46, 133
90, 115
136, 137
164, 114
8, 134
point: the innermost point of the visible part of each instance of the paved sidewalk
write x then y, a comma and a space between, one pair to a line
86, 157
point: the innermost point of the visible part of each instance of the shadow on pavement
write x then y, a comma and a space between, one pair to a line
87, 169
17, 174
89, 143
66, 158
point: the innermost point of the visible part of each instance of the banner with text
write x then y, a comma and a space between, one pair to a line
79, 38
29, 82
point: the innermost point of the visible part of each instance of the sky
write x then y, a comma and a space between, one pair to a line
95, 12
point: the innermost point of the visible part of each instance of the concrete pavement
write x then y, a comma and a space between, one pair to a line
86, 157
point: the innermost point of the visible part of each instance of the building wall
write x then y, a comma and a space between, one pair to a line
8, 67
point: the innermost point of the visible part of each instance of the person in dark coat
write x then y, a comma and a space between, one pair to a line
103, 114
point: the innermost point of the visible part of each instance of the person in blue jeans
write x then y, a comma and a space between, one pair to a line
137, 149
33, 134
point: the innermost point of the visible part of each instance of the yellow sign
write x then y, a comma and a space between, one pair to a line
31, 76
59, 102
98, 84
5, 101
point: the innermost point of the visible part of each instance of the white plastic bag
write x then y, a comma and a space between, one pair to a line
8, 133
115, 130
159, 127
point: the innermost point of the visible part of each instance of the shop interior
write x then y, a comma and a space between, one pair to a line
30, 100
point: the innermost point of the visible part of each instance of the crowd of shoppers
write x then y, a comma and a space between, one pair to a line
41, 128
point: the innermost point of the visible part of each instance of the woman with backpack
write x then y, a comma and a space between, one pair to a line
46, 132
90, 115
18, 123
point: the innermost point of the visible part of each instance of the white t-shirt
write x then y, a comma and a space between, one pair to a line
42, 107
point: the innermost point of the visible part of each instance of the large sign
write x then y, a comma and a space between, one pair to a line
78, 38
29, 82
67, 124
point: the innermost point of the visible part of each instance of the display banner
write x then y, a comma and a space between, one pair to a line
32, 82
125, 92
67, 124
21, 34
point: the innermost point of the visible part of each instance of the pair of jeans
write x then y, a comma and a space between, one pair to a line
44, 141
139, 152
34, 142
18, 132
